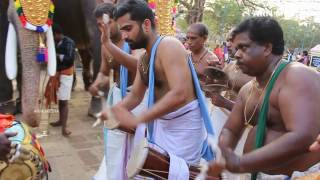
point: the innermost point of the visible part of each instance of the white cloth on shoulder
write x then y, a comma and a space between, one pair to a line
178, 169
182, 132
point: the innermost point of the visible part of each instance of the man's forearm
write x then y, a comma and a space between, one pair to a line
272, 154
130, 102
121, 57
227, 139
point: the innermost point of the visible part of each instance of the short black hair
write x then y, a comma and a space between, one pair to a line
57, 29
138, 10
305, 53
201, 28
263, 29
104, 8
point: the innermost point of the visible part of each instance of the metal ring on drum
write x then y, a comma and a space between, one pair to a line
148, 162
216, 80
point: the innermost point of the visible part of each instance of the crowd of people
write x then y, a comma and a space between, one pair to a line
157, 91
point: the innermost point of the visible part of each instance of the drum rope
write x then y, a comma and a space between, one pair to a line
193, 175
153, 174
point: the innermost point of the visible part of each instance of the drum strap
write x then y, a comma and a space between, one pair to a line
263, 115
151, 84
207, 152
124, 73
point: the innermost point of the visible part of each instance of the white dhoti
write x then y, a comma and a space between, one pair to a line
182, 132
118, 146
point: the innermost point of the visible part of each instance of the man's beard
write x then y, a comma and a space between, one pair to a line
141, 41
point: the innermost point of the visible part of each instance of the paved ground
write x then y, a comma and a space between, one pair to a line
77, 157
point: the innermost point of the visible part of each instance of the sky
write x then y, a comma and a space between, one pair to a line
299, 9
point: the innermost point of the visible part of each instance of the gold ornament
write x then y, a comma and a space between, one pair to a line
163, 11
36, 11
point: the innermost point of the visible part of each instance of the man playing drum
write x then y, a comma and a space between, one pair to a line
114, 52
174, 121
284, 118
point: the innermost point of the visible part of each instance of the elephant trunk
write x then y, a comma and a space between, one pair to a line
30, 76
28, 43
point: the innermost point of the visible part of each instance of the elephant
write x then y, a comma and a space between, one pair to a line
28, 42
77, 20
6, 87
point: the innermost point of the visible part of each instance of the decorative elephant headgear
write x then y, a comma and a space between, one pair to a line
34, 15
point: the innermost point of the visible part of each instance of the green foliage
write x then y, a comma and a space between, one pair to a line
300, 34
182, 23
221, 15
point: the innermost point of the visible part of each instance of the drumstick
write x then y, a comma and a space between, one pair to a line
103, 100
106, 105
105, 18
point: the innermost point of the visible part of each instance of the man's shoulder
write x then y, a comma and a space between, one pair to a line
171, 46
299, 74
168, 42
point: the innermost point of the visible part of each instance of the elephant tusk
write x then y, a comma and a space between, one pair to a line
52, 61
11, 53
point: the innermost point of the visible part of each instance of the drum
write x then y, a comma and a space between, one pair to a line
148, 162
34, 166
113, 123
216, 80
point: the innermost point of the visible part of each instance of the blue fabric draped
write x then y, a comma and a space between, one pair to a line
151, 84
124, 73
207, 152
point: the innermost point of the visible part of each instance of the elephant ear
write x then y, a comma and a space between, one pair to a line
52, 62
11, 53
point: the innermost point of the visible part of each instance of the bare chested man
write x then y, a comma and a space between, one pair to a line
117, 56
237, 79
178, 126
110, 52
197, 35
292, 121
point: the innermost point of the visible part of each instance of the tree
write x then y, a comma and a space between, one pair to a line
195, 10
222, 15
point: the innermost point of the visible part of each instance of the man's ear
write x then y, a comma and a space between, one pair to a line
146, 25
268, 49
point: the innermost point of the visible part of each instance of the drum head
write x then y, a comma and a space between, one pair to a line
214, 73
138, 158
16, 172
111, 124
